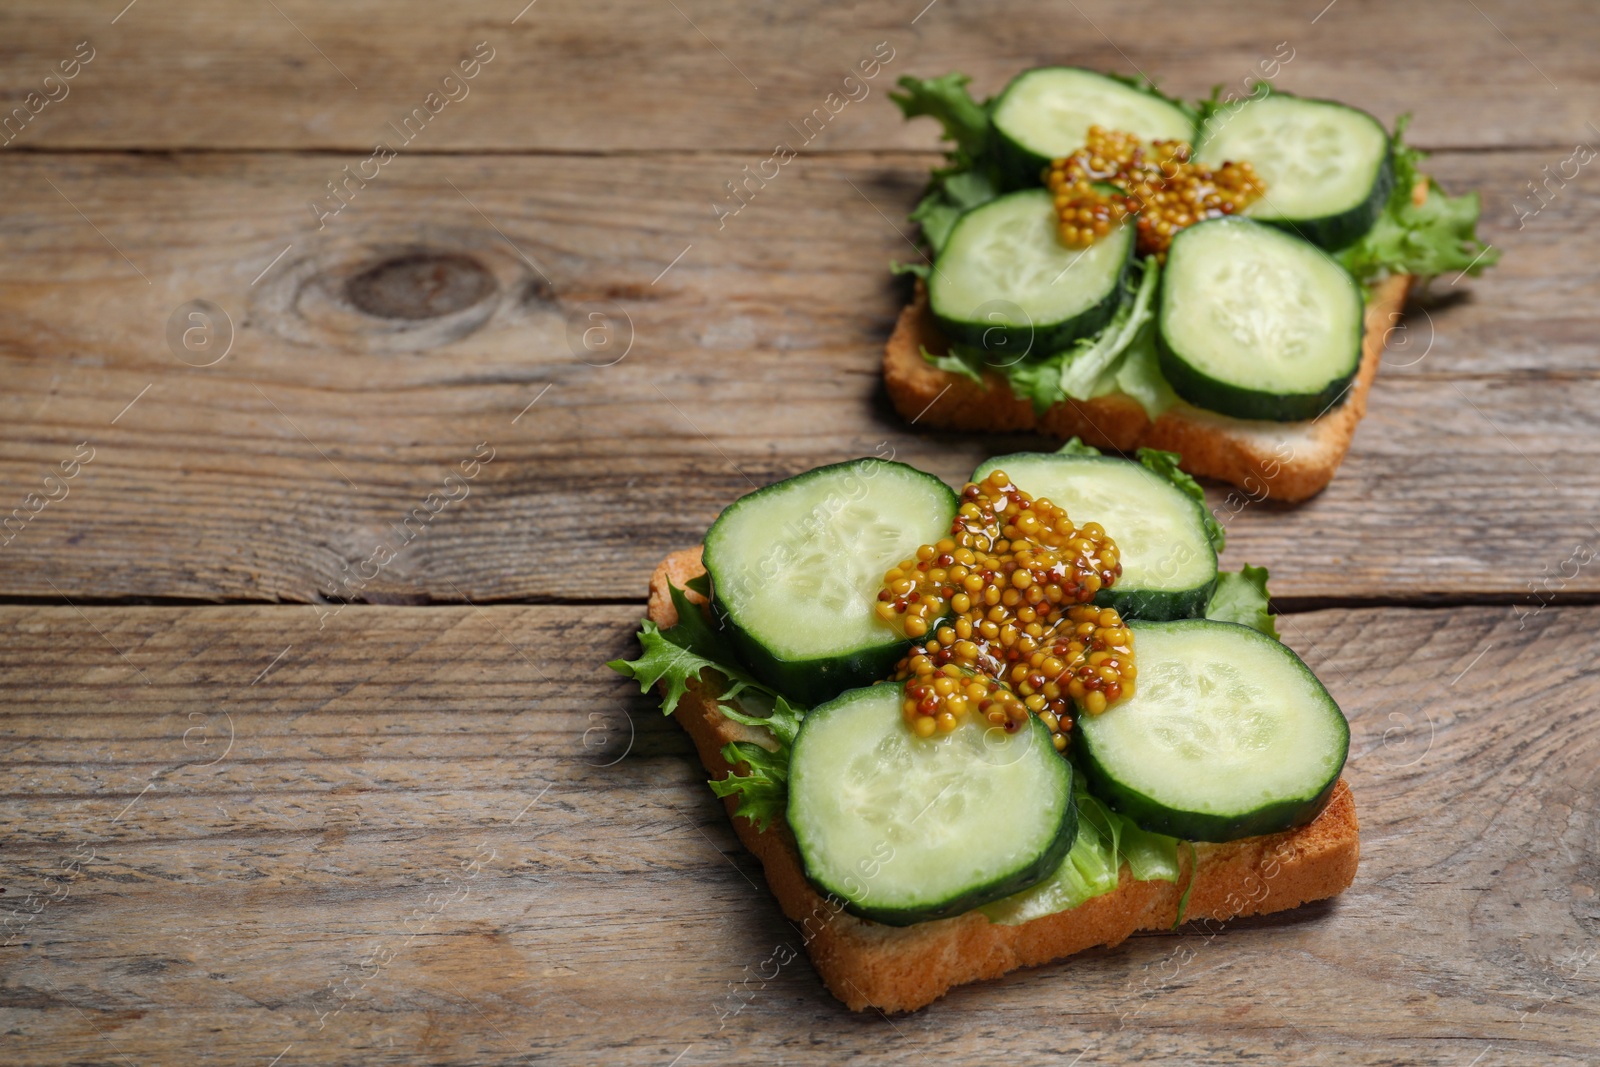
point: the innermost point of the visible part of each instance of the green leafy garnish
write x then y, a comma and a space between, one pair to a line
1139, 376
965, 121
1090, 367
967, 362
1438, 236
921, 270
970, 176
1183, 898
681, 653
1038, 380
764, 792
1205, 111
662, 659
1121, 357
1241, 596
1105, 841
1166, 465
1076, 447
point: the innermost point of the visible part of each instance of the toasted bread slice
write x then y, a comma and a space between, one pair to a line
1281, 460
891, 968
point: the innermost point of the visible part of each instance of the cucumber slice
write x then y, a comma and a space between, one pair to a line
1005, 283
905, 829
796, 567
1227, 735
1169, 568
1045, 114
1255, 323
1327, 167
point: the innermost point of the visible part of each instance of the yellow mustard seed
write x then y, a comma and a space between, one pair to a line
1158, 181
1018, 577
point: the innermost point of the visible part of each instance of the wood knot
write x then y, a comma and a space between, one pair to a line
420, 294
420, 285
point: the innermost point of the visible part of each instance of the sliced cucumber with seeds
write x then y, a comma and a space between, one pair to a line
1327, 167
1227, 735
906, 829
1045, 114
1169, 568
1005, 283
796, 568
1255, 323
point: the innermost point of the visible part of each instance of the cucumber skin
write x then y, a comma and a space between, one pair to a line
1200, 826
1021, 168
808, 682
1157, 605
1333, 232
1033, 874
1154, 605
1226, 398
1197, 826
1034, 341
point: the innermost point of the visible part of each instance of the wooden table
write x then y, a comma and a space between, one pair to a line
241, 823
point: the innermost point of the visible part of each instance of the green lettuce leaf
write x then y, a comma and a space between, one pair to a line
921, 270
1166, 465
1139, 376
1438, 236
1036, 380
938, 210
965, 121
1121, 357
678, 654
1090, 368
1241, 596
662, 660
970, 176
1105, 841
1076, 447
1206, 111
1188, 888
967, 362
764, 792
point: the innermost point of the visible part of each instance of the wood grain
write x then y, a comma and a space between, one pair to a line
238, 897
715, 74
755, 355
292, 834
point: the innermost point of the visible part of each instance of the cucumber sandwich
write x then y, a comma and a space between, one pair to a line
1210, 277
967, 731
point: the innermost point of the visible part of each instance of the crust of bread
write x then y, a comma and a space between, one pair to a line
866, 964
1280, 460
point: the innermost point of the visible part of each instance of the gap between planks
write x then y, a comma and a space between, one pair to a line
1290, 605
619, 153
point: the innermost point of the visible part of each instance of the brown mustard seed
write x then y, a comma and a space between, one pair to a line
1024, 638
1158, 181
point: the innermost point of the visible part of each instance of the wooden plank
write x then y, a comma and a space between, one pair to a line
718, 74
277, 472
417, 846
